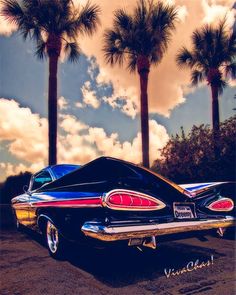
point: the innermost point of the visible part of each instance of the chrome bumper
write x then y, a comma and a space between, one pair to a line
115, 233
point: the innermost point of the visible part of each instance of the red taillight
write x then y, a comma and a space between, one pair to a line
223, 204
130, 200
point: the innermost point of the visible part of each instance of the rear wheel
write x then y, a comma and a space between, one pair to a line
56, 244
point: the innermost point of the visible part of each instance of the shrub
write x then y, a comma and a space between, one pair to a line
191, 157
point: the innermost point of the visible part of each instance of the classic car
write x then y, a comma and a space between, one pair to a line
110, 200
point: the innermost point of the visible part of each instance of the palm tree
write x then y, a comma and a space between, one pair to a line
54, 25
212, 58
140, 39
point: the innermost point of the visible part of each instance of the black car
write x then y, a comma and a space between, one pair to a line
109, 200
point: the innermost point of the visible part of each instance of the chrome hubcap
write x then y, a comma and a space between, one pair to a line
52, 237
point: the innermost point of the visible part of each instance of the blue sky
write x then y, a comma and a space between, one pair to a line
24, 79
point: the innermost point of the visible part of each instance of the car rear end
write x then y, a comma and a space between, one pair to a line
144, 207
115, 201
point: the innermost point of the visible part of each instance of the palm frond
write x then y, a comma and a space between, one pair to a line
207, 46
185, 58
197, 40
12, 11
73, 51
197, 77
28, 29
40, 51
231, 46
114, 49
162, 23
132, 63
114, 55
156, 56
123, 20
88, 19
221, 43
163, 17
230, 70
30, 4
222, 85
36, 33
140, 14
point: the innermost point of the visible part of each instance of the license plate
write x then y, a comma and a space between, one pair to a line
184, 210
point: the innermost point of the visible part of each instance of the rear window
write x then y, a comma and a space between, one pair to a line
60, 171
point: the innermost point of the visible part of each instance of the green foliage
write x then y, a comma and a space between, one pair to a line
190, 158
13, 186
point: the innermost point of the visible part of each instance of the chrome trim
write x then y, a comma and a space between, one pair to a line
34, 204
114, 233
150, 243
52, 237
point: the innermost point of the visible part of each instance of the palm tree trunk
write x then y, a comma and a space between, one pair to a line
215, 108
215, 118
53, 49
143, 70
52, 110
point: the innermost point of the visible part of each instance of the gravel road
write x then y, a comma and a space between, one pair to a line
27, 269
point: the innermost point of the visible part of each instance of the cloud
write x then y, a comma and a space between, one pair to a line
93, 67
25, 132
103, 76
215, 10
125, 100
182, 13
62, 103
89, 96
79, 105
71, 125
26, 136
130, 151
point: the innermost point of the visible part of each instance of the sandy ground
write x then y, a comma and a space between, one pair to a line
27, 269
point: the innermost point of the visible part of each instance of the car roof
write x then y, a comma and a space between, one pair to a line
50, 167
57, 165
